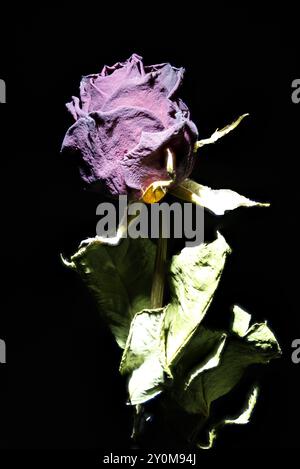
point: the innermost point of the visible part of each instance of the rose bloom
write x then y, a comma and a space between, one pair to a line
131, 129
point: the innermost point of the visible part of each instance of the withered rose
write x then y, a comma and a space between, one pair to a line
129, 121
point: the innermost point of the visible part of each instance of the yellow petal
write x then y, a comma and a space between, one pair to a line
155, 192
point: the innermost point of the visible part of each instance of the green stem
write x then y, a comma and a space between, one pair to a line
158, 282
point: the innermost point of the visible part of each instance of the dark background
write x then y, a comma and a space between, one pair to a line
60, 388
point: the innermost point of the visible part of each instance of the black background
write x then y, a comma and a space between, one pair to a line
60, 387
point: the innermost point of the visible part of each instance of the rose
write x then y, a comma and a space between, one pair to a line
129, 121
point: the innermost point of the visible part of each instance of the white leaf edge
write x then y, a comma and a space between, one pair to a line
242, 419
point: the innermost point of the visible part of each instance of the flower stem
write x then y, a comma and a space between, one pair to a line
158, 282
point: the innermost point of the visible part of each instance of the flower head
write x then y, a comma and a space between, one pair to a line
129, 120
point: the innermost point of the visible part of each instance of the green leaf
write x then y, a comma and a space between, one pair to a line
120, 277
219, 133
242, 419
204, 364
143, 355
224, 365
217, 201
194, 276
241, 321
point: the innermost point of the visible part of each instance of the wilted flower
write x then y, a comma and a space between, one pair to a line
133, 136
130, 126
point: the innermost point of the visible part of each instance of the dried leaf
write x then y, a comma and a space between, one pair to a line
143, 355
242, 419
220, 133
205, 384
120, 278
218, 201
241, 321
194, 276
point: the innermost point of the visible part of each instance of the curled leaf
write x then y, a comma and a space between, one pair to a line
143, 355
241, 321
242, 419
211, 361
220, 133
194, 276
218, 201
120, 278
205, 384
